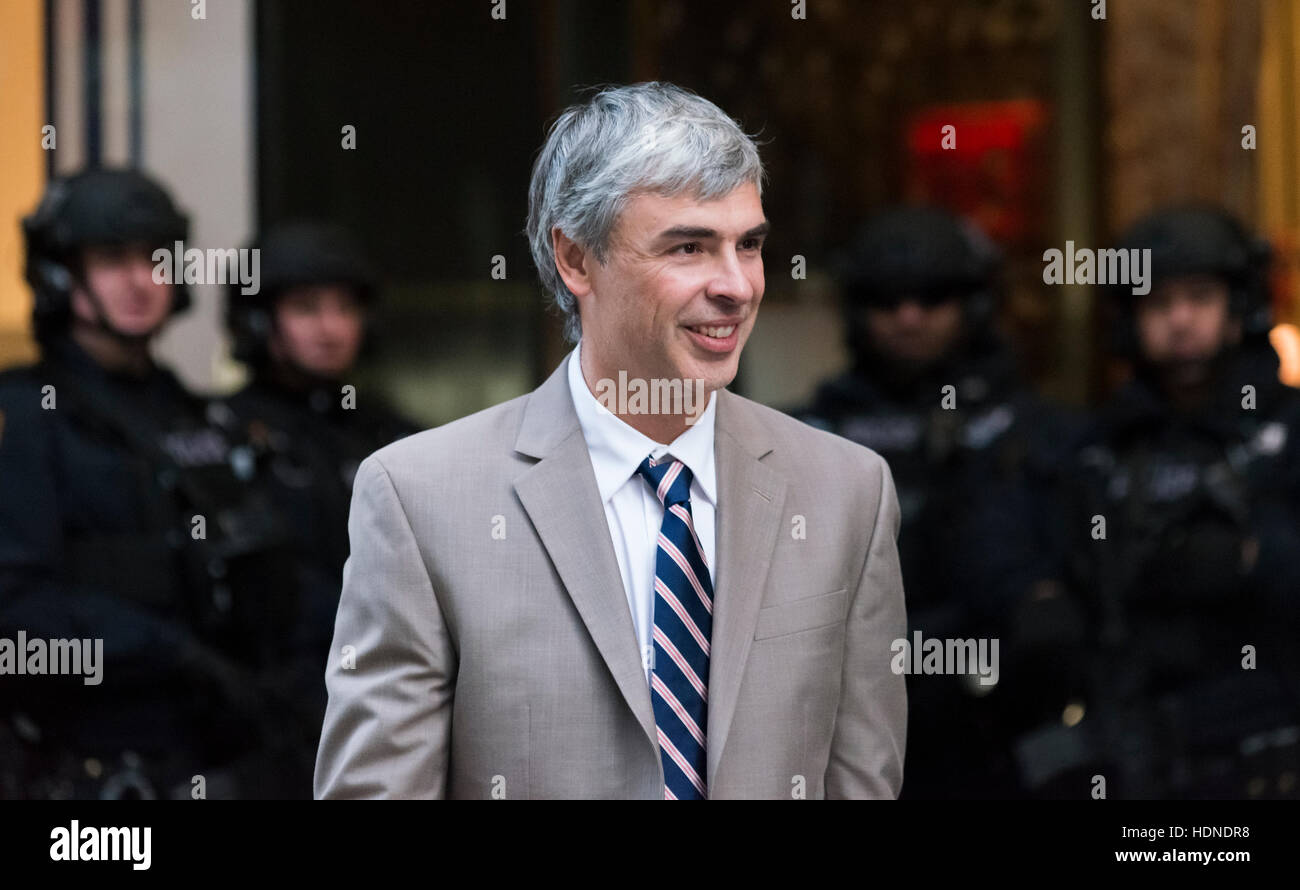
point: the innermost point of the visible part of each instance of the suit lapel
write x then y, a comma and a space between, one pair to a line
751, 498
560, 496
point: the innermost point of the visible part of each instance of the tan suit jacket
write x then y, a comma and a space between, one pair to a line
484, 646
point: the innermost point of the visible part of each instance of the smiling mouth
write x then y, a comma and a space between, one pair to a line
719, 332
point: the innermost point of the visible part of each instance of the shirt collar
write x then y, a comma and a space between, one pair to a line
617, 449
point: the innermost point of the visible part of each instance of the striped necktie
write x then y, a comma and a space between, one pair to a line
683, 625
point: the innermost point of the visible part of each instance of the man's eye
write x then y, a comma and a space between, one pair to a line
690, 247
752, 244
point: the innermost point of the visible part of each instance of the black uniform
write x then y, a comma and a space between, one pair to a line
1198, 561
979, 541
310, 446
977, 483
311, 434
128, 517
1193, 583
98, 540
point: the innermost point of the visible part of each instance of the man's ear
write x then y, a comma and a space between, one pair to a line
79, 303
573, 262
78, 300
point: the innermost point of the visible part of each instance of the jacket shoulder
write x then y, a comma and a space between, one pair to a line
809, 445
454, 446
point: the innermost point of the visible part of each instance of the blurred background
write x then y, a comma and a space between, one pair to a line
1070, 127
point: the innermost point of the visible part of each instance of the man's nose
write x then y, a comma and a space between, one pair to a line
1181, 313
731, 281
909, 312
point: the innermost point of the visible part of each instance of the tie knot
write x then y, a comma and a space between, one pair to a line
670, 479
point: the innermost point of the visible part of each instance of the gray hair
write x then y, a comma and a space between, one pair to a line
654, 137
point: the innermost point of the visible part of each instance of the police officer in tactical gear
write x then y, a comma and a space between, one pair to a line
973, 453
128, 517
301, 335
1184, 537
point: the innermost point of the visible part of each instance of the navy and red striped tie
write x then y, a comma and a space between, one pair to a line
683, 625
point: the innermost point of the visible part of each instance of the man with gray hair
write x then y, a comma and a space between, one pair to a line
607, 588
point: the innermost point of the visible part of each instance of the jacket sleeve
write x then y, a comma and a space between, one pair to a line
34, 597
867, 749
139, 645
392, 667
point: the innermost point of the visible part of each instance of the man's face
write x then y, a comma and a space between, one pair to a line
678, 294
913, 332
121, 278
318, 329
1183, 323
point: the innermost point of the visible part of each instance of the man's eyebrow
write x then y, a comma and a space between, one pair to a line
703, 232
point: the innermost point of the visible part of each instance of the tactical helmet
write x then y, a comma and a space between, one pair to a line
93, 208
925, 252
294, 254
1199, 240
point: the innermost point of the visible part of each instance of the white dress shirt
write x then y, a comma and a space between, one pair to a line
632, 511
